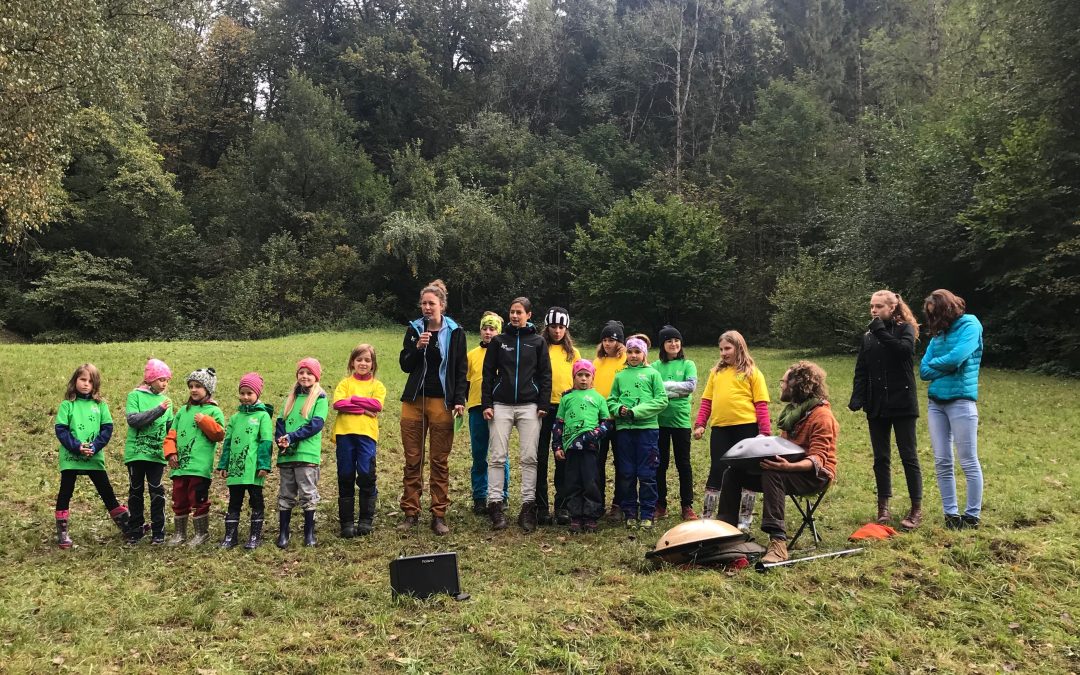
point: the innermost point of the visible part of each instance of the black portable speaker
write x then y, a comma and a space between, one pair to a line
425, 575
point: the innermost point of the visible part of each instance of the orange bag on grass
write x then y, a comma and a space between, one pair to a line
873, 531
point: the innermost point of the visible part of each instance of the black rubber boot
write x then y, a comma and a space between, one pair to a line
283, 528
232, 527
309, 528
498, 517
346, 511
255, 538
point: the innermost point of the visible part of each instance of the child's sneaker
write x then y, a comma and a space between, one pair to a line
688, 513
631, 524
589, 526
645, 524
575, 527
661, 512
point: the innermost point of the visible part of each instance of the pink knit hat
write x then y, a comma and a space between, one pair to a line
155, 369
252, 381
583, 364
312, 364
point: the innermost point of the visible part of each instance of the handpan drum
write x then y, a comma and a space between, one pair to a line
686, 541
746, 455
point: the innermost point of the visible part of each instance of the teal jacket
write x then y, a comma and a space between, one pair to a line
951, 362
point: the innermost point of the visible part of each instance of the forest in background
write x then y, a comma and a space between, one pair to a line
230, 169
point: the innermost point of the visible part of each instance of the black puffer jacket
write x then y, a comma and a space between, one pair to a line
884, 384
517, 368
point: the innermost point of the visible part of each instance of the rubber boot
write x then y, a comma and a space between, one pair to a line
346, 512
746, 510
62, 538
712, 501
479, 507
232, 527
498, 517
122, 518
255, 536
309, 528
179, 531
364, 527
283, 528
201, 525
883, 515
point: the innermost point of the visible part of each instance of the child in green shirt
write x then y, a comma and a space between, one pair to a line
245, 460
299, 442
581, 421
84, 427
149, 416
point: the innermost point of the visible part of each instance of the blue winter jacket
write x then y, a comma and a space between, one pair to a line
951, 362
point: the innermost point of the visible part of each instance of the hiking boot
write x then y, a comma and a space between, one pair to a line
179, 531
408, 523
953, 522
527, 517
777, 551
201, 525
589, 526
438, 526
688, 513
255, 535
913, 519
284, 517
348, 530
710, 504
543, 517
883, 515
479, 507
746, 510
364, 527
614, 513
969, 522
232, 528
661, 512
309, 528
496, 510
645, 524
575, 527
63, 540
562, 517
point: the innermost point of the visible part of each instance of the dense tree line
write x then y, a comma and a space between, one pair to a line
243, 168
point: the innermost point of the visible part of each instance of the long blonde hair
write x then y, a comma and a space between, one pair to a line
312, 397
744, 363
901, 313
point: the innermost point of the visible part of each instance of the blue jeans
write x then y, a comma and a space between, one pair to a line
638, 457
956, 422
478, 438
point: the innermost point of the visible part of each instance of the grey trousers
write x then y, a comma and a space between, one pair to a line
528, 425
299, 484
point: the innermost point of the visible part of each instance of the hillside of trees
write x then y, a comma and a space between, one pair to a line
194, 169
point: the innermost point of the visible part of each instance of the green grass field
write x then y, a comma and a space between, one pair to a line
1001, 599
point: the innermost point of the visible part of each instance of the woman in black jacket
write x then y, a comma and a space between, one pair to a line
433, 354
884, 388
515, 393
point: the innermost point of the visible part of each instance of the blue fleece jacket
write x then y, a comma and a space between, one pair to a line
951, 362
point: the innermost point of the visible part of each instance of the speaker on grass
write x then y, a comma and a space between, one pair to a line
422, 576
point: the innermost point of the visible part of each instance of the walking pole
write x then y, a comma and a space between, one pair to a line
765, 567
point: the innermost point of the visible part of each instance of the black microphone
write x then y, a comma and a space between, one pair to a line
425, 320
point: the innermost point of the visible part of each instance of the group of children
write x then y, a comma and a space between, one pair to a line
186, 441
617, 399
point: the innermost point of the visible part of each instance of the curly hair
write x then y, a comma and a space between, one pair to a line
806, 380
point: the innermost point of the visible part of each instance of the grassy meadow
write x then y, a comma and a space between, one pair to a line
1005, 598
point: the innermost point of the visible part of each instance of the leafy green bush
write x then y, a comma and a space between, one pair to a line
820, 307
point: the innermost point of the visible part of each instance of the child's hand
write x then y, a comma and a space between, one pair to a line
223, 473
86, 449
371, 413
174, 461
698, 433
560, 455
489, 414
166, 404
198, 417
283, 442
262, 473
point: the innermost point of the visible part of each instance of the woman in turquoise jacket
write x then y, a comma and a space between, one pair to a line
951, 365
